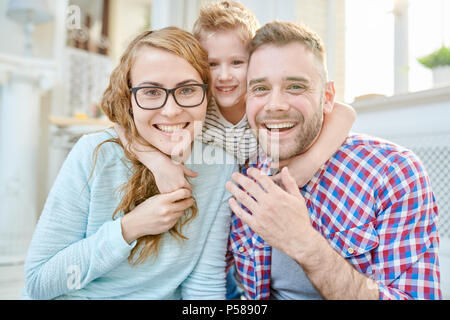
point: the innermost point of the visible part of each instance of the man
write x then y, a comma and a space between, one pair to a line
364, 227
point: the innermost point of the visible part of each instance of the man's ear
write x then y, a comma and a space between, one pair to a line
329, 94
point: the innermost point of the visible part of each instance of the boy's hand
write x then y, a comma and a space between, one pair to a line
169, 176
156, 215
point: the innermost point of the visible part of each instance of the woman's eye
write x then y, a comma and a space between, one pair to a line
152, 92
187, 90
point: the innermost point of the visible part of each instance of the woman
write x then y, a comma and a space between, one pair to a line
103, 230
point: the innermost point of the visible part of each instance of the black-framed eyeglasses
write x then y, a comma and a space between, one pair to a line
186, 96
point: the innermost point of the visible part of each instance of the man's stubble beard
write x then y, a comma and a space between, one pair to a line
302, 141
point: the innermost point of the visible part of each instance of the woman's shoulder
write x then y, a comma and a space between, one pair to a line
91, 140
98, 144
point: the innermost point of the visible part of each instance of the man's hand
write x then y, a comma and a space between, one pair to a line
281, 218
278, 216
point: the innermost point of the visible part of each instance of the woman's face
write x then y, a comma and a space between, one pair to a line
170, 128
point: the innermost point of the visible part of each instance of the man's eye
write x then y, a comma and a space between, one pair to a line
259, 90
296, 88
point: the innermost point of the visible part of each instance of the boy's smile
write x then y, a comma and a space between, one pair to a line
228, 58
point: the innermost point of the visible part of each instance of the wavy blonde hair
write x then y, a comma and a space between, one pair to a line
116, 104
226, 15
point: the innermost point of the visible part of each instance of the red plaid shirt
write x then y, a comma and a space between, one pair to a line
373, 202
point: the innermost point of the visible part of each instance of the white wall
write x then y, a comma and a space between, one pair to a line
183, 13
127, 19
269, 10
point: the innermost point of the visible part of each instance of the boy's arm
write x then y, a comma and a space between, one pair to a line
335, 129
169, 176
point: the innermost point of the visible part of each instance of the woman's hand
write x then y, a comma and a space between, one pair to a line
156, 215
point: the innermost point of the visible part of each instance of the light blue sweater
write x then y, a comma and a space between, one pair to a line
78, 251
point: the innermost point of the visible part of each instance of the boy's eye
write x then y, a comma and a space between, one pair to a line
237, 62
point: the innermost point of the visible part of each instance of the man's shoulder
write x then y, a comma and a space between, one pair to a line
362, 140
374, 152
360, 145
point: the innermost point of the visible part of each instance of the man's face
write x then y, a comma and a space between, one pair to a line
286, 99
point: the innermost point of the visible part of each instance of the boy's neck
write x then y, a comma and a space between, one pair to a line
233, 114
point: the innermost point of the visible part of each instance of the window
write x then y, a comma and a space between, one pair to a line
429, 29
371, 38
369, 48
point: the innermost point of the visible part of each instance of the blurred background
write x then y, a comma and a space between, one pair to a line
56, 57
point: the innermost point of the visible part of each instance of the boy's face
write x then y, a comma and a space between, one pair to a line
228, 58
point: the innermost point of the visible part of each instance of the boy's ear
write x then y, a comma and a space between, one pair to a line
329, 95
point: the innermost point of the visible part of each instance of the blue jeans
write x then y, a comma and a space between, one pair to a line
234, 290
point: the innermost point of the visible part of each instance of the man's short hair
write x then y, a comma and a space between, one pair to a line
226, 15
279, 33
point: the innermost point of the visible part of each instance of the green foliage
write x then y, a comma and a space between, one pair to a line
437, 58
